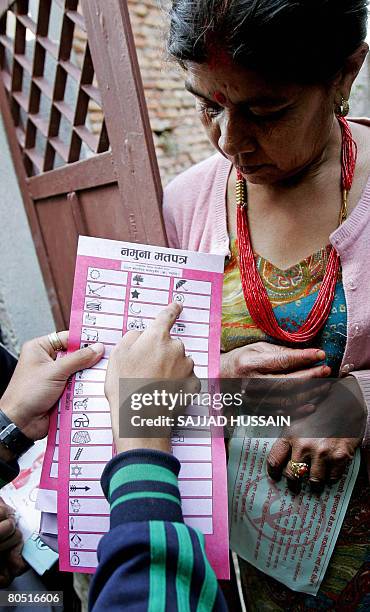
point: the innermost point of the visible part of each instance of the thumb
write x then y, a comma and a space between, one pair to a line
80, 360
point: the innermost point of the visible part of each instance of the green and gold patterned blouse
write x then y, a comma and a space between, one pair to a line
292, 293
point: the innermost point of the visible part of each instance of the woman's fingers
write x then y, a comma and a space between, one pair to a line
262, 359
341, 456
283, 359
336, 470
322, 371
299, 455
317, 475
278, 457
326, 458
295, 397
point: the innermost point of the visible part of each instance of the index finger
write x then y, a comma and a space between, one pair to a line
166, 318
289, 359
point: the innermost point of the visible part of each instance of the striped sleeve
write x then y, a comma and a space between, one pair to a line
150, 560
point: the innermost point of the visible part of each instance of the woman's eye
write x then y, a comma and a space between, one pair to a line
210, 110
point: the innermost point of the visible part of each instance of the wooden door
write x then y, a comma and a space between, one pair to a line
63, 63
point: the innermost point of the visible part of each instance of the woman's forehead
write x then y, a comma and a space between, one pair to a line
236, 84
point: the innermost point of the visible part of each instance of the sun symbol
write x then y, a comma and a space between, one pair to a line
76, 470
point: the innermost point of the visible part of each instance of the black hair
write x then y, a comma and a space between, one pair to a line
295, 40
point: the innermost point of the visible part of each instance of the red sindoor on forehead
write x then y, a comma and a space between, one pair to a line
218, 57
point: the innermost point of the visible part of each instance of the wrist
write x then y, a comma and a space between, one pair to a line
127, 444
14, 442
33, 427
14, 412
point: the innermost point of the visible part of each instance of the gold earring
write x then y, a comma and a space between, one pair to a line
343, 108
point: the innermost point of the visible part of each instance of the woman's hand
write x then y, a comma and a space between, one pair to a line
277, 379
11, 543
151, 354
39, 380
263, 359
326, 440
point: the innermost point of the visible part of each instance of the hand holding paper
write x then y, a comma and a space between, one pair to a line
39, 380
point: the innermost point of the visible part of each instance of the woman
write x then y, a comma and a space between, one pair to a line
272, 80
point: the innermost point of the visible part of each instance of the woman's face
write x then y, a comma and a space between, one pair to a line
269, 130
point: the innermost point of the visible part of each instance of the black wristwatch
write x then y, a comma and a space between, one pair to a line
12, 437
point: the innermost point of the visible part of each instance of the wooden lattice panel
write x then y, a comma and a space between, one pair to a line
52, 90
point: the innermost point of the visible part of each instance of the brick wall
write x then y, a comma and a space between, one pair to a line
178, 135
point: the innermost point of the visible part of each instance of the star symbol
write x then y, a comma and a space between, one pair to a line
76, 470
135, 294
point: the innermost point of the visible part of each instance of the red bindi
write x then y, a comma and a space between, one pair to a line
219, 97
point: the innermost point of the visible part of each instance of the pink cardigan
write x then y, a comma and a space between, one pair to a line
195, 218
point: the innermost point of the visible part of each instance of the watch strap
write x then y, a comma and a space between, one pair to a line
12, 437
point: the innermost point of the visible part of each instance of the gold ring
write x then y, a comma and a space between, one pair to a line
299, 468
55, 342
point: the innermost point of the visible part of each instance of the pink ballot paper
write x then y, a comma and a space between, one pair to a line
120, 286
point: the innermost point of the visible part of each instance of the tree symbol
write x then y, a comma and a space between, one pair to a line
138, 279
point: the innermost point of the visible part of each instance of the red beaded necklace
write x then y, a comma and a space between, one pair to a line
255, 294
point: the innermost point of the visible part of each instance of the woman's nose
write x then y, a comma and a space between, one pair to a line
236, 137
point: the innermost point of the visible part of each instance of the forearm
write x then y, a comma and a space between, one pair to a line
149, 554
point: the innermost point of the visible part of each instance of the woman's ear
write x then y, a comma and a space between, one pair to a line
344, 81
